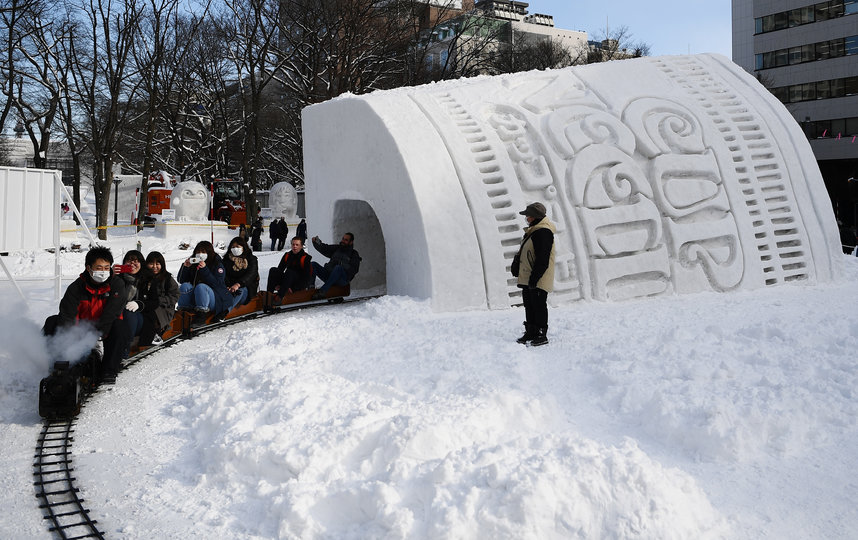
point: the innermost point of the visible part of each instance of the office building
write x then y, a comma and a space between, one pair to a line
806, 53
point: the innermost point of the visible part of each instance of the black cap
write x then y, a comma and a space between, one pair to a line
535, 210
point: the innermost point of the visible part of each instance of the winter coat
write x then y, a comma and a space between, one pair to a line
85, 300
301, 231
274, 229
256, 232
159, 298
130, 281
300, 264
345, 256
213, 275
247, 277
536, 256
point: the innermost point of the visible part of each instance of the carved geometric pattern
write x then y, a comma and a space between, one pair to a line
758, 164
644, 204
663, 176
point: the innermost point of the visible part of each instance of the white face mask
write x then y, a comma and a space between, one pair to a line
201, 256
237, 250
100, 276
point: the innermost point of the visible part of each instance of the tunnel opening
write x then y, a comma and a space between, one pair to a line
358, 218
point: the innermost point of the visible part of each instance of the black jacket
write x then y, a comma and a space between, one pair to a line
542, 240
300, 264
159, 299
101, 303
345, 256
256, 231
247, 277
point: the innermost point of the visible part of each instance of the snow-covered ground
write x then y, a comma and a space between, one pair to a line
704, 416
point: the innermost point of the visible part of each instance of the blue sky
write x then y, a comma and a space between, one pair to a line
668, 26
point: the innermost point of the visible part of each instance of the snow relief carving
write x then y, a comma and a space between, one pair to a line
283, 200
190, 200
691, 179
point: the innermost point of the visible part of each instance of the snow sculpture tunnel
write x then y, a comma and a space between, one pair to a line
665, 175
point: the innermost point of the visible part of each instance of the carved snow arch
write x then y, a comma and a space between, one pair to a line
665, 175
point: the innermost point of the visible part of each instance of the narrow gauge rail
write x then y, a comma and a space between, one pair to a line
53, 468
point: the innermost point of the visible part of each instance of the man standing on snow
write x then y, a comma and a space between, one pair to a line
343, 266
534, 267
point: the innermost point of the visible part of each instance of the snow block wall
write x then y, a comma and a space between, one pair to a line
665, 175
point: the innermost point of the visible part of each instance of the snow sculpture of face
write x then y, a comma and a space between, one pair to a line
283, 200
190, 200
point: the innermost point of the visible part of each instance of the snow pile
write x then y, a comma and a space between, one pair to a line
702, 416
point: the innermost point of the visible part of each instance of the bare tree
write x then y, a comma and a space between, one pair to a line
41, 71
15, 16
160, 51
525, 52
103, 85
251, 30
617, 44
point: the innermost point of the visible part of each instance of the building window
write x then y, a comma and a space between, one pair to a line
833, 88
821, 11
807, 53
831, 129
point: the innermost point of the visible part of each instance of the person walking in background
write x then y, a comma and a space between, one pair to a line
256, 235
274, 233
342, 267
534, 267
301, 232
282, 234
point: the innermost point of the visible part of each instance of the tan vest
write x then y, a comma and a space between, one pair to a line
546, 282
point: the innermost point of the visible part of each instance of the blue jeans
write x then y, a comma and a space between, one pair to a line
337, 276
200, 296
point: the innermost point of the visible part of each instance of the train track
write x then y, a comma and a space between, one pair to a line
53, 467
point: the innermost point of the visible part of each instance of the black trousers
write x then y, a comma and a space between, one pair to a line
288, 279
115, 342
535, 307
150, 328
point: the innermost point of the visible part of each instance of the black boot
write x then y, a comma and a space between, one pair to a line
529, 334
541, 337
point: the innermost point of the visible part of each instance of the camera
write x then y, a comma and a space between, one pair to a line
194, 260
122, 269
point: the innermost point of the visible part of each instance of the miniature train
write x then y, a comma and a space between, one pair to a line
62, 393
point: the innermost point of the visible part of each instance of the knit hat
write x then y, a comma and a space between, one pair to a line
534, 210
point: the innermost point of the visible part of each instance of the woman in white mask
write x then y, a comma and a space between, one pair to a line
202, 288
242, 271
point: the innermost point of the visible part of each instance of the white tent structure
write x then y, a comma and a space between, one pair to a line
664, 175
30, 214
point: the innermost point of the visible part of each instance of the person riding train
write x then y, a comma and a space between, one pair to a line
242, 272
342, 267
159, 294
98, 297
202, 286
294, 273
